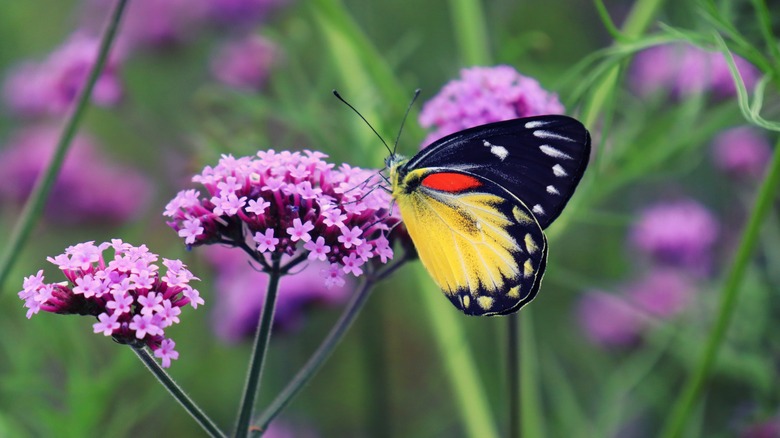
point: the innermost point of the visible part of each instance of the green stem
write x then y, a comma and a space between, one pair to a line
530, 398
468, 25
513, 372
257, 360
318, 358
636, 23
449, 335
325, 349
40, 192
690, 393
373, 339
363, 68
177, 393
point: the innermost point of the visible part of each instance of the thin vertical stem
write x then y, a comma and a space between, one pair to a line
687, 400
513, 370
262, 336
374, 340
458, 361
637, 21
32, 209
468, 24
175, 390
531, 414
318, 358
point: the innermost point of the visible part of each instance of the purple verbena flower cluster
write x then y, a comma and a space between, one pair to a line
290, 204
685, 70
48, 87
133, 301
485, 95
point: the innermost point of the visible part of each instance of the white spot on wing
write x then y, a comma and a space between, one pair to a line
548, 134
538, 209
558, 171
552, 152
552, 190
498, 151
534, 124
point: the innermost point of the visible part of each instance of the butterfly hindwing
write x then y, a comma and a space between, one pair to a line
538, 159
480, 243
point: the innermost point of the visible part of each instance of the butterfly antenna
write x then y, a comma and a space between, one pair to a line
406, 114
338, 96
364, 183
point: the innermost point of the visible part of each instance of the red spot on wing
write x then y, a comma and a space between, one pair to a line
450, 182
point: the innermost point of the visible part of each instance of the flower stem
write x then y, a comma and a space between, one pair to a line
513, 370
318, 358
458, 361
177, 393
636, 23
262, 336
32, 209
531, 414
468, 23
688, 397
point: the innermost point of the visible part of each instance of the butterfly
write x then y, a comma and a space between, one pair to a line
475, 203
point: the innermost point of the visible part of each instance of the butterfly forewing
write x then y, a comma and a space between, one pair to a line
538, 159
481, 244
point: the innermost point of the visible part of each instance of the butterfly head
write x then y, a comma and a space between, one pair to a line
394, 163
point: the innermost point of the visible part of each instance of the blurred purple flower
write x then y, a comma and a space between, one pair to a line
289, 204
766, 429
242, 12
684, 70
151, 24
48, 87
280, 429
484, 95
663, 293
132, 301
680, 233
88, 188
240, 293
608, 319
742, 152
245, 63
620, 319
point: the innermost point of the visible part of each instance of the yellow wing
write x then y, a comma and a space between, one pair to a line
480, 243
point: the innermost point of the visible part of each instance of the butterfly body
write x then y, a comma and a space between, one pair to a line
475, 204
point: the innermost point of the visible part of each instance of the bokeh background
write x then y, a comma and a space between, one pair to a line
637, 262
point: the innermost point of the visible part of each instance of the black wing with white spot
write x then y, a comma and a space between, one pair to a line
538, 159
